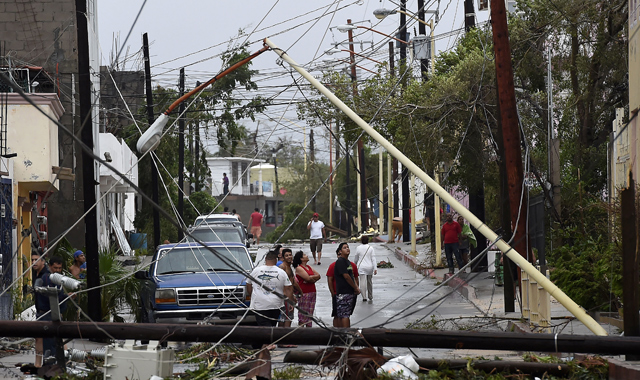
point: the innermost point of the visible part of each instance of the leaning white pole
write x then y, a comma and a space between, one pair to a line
542, 280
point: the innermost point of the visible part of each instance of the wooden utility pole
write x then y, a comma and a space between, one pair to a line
476, 193
88, 169
154, 168
469, 15
630, 262
510, 127
181, 160
422, 29
363, 216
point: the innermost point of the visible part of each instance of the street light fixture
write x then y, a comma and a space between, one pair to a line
151, 137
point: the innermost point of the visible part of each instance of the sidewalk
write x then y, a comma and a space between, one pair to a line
479, 289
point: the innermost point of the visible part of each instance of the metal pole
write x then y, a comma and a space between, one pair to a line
155, 197
356, 155
413, 214
436, 220
330, 175
181, 160
88, 166
380, 192
406, 215
542, 280
389, 198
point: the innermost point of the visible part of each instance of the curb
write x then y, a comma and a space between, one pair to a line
457, 283
413, 263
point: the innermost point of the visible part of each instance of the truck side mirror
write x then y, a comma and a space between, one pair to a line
141, 275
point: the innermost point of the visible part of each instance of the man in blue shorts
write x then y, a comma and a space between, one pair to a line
346, 287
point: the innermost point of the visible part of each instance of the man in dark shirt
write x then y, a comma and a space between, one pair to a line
43, 307
346, 287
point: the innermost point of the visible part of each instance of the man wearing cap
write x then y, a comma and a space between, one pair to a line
79, 266
318, 236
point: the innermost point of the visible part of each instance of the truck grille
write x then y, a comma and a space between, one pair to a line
219, 295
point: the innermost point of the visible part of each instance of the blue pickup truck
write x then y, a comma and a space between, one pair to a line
188, 283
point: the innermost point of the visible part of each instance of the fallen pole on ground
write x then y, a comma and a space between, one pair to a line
610, 345
530, 368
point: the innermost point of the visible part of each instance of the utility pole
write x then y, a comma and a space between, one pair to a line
151, 118
629, 221
406, 215
390, 162
363, 214
330, 174
312, 159
181, 159
510, 129
469, 15
422, 29
196, 161
88, 168
476, 193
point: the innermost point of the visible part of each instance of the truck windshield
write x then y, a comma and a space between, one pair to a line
212, 234
200, 259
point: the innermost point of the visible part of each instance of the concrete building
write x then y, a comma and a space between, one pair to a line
250, 187
42, 34
31, 176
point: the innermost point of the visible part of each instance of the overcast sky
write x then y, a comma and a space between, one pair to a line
193, 33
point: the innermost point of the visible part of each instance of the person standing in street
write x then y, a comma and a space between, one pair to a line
265, 299
346, 287
366, 261
234, 213
449, 233
287, 316
331, 282
317, 237
306, 277
467, 239
225, 184
256, 224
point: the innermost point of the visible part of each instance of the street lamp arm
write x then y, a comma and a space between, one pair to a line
151, 137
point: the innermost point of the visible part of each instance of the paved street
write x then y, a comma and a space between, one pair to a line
395, 289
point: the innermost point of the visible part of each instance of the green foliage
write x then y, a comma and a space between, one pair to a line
120, 293
298, 229
199, 203
287, 373
588, 269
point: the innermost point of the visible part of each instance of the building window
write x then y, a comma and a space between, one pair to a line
234, 172
245, 174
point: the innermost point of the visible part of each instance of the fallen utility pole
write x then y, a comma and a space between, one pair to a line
529, 368
541, 279
609, 345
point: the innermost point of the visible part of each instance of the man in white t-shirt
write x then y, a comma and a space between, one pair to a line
318, 236
265, 299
